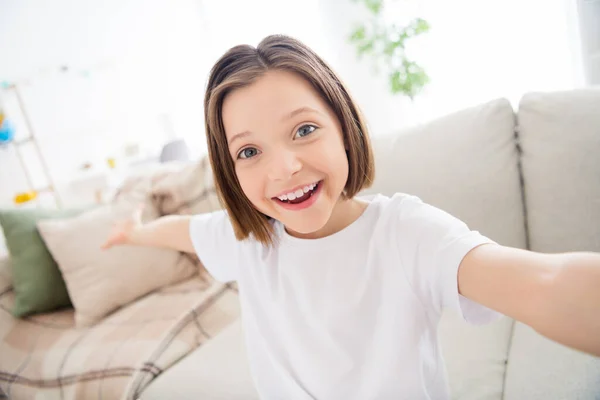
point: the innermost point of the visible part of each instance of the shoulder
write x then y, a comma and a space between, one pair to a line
219, 225
399, 205
210, 220
409, 214
216, 245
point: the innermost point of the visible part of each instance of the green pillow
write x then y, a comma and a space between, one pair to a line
38, 283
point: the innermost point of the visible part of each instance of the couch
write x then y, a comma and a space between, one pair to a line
528, 178
79, 322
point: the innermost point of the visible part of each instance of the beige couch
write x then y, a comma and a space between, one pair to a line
144, 319
529, 179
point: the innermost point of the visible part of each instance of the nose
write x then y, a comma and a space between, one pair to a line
284, 165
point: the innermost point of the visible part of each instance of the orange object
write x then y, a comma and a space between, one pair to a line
21, 198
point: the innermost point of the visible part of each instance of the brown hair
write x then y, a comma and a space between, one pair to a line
241, 66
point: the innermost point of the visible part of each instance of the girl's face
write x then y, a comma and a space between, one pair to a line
288, 149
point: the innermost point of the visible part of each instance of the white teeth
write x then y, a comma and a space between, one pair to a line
298, 193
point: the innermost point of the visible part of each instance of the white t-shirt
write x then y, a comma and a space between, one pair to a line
353, 315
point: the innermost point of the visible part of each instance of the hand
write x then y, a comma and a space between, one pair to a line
122, 231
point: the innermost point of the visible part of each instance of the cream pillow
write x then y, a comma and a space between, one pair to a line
186, 191
100, 281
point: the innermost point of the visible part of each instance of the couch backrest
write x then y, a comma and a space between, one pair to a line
465, 163
559, 133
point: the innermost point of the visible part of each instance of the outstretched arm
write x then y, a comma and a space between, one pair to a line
558, 295
171, 231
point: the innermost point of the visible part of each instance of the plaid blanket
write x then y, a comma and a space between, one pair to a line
46, 356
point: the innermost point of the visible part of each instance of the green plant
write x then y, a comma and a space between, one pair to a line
386, 43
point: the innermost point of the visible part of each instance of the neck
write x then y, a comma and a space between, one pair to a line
345, 212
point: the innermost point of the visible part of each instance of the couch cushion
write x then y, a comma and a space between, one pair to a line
38, 283
560, 137
187, 191
539, 368
475, 356
218, 370
100, 281
465, 163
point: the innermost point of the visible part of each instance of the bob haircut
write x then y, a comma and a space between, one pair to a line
242, 65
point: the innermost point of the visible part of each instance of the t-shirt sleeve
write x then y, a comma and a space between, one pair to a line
432, 245
216, 245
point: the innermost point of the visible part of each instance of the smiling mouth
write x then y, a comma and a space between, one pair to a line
302, 198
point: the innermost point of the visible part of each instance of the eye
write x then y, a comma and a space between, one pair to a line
248, 152
305, 130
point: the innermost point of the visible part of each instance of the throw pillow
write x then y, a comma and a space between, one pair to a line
186, 191
37, 281
100, 281
6, 281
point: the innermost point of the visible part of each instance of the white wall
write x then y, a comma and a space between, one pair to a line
132, 64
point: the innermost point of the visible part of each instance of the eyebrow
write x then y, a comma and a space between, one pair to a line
290, 115
299, 111
238, 136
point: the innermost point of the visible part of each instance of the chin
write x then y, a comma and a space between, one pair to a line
306, 225
304, 228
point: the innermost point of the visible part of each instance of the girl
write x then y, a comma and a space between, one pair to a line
341, 296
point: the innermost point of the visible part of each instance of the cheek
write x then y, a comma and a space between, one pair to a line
251, 185
332, 156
